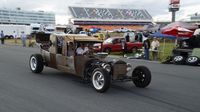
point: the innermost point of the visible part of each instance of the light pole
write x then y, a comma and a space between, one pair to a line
174, 7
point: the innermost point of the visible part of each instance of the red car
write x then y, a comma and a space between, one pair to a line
114, 45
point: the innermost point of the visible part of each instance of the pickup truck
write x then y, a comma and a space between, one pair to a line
114, 45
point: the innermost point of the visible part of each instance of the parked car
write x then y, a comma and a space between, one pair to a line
188, 51
59, 51
114, 45
122, 30
99, 36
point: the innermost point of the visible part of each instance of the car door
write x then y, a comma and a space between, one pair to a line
64, 61
116, 47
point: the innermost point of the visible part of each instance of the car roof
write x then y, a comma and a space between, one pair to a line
78, 38
116, 37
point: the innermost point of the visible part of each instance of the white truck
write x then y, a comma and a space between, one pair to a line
49, 29
35, 28
9, 30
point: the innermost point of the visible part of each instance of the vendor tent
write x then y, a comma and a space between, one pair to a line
179, 29
163, 36
160, 35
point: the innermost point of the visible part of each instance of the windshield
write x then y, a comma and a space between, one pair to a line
50, 30
108, 40
131, 36
35, 28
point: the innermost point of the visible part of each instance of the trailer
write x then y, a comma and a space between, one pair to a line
9, 30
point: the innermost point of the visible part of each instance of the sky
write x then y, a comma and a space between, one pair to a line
157, 8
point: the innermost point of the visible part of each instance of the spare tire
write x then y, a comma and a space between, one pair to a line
192, 60
179, 60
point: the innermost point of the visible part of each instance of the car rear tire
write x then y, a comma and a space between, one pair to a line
101, 80
36, 63
179, 60
192, 60
141, 76
134, 50
107, 50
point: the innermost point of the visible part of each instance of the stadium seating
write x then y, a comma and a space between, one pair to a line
109, 13
111, 27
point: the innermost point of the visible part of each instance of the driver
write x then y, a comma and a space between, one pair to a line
82, 50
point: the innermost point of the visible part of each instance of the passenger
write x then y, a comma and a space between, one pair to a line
82, 50
90, 49
70, 49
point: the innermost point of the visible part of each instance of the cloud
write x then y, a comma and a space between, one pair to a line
158, 9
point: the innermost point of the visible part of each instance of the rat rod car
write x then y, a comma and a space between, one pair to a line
59, 51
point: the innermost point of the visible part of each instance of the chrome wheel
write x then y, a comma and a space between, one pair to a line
192, 59
98, 80
36, 63
178, 58
33, 63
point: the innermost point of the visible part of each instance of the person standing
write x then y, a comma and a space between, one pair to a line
23, 38
2, 37
124, 47
127, 37
15, 36
107, 35
154, 46
146, 45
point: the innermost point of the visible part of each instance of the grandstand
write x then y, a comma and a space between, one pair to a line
109, 18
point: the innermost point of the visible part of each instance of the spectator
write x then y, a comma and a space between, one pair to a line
127, 37
15, 36
146, 45
70, 49
154, 46
107, 35
2, 37
23, 38
124, 47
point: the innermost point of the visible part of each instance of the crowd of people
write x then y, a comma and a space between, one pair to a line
153, 46
148, 47
23, 38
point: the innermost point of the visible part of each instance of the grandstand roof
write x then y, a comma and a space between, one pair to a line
110, 14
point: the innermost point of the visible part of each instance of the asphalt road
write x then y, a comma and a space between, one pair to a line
174, 88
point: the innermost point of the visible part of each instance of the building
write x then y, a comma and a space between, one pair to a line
109, 18
195, 17
19, 17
